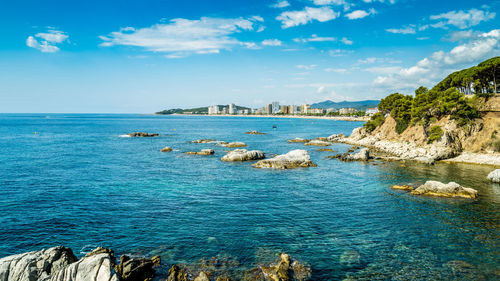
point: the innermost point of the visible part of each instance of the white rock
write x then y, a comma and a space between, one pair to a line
243, 155
362, 155
494, 176
293, 159
318, 143
452, 189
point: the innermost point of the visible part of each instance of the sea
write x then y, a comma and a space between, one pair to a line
75, 180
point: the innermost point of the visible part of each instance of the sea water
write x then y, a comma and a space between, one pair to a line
69, 179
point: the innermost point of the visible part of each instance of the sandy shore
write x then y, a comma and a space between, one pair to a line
343, 118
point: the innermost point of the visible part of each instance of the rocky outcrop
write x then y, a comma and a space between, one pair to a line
298, 140
294, 159
234, 144
142, 135
254, 133
284, 269
402, 187
318, 143
176, 273
494, 176
362, 155
243, 155
452, 189
131, 269
166, 149
202, 152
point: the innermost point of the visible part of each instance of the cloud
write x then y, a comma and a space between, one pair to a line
314, 38
346, 41
337, 70
182, 37
431, 69
404, 30
271, 42
381, 1
47, 40
359, 14
306, 67
281, 4
295, 18
462, 19
329, 2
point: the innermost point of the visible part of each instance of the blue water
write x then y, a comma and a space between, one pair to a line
77, 183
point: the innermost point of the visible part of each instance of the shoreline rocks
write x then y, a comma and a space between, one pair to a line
451, 189
243, 155
494, 176
142, 135
294, 159
318, 143
253, 132
362, 155
202, 152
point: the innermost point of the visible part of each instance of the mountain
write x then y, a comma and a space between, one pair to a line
360, 105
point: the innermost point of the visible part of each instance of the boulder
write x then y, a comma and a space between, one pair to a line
452, 189
318, 143
285, 269
403, 187
202, 152
166, 149
362, 155
202, 277
298, 140
336, 137
243, 155
234, 144
254, 133
175, 273
38, 265
142, 135
131, 269
494, 176
294, 159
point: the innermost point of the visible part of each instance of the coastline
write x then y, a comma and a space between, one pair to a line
341, 118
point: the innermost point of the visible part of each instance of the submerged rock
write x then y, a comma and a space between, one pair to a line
452, 189
494, 176
325, 150
234, 144
318, 143
243, 155
254, 133
142, 135
294, 159
202, 152
350, 258
166, 149
298, 140
403, 187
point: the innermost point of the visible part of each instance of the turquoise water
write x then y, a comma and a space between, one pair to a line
77, 183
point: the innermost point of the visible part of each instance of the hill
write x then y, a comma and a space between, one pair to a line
198, 110
359, 105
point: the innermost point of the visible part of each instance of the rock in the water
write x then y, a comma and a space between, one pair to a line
202, 277
318, 143
142, 135
202, 152
336, 137
350, 258
285, 269
243, 155
452, 189
325, 150
362, 155
403, 187
166, 149
204, 141
131, 269
33, 266
177, 274
294, 159
298, 140
494, 176
254, 133
234, 144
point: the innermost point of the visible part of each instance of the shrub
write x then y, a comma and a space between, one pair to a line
376, 120
435, 133
401, 125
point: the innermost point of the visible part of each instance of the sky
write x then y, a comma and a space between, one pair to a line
148, 55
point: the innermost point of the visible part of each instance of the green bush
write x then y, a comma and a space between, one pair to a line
435, 134
401, 125
376, 120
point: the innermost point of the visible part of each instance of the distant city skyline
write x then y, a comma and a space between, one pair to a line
145, 56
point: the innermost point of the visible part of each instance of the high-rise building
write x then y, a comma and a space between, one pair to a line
232, 109
214, 109
275, 107
304, 109
285, 109
268, 109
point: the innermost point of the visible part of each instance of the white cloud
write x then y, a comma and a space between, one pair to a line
182, 37
306, 67
281, 4
329, 2
367, 60
271, 42
359, 14
47, 40
431, 69
404, 30
346, 41
463, 19
295, 18
337, 70
381, 1
314, 38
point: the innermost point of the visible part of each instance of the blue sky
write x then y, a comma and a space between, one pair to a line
144, 56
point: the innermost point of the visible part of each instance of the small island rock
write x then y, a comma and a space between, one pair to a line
202, 152
494, 176
142, 135
254, 133
294, 159
204, 141
243, 155
234, 144
298, 140
166, 149
452, 189
318, 143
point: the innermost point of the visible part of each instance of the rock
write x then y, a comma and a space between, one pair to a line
166, 149
223, 278
318, 143
254, 133
321, 139
403, 187
202, 277
350, 258
204, 141
234, 144
177, 274
362, 155
325, 150
494, 176
243, 155
285, 269
202, 152
38, 265
294, 159
336, 137
353, 148
298, 140
142, 135
452, 189
131, 269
